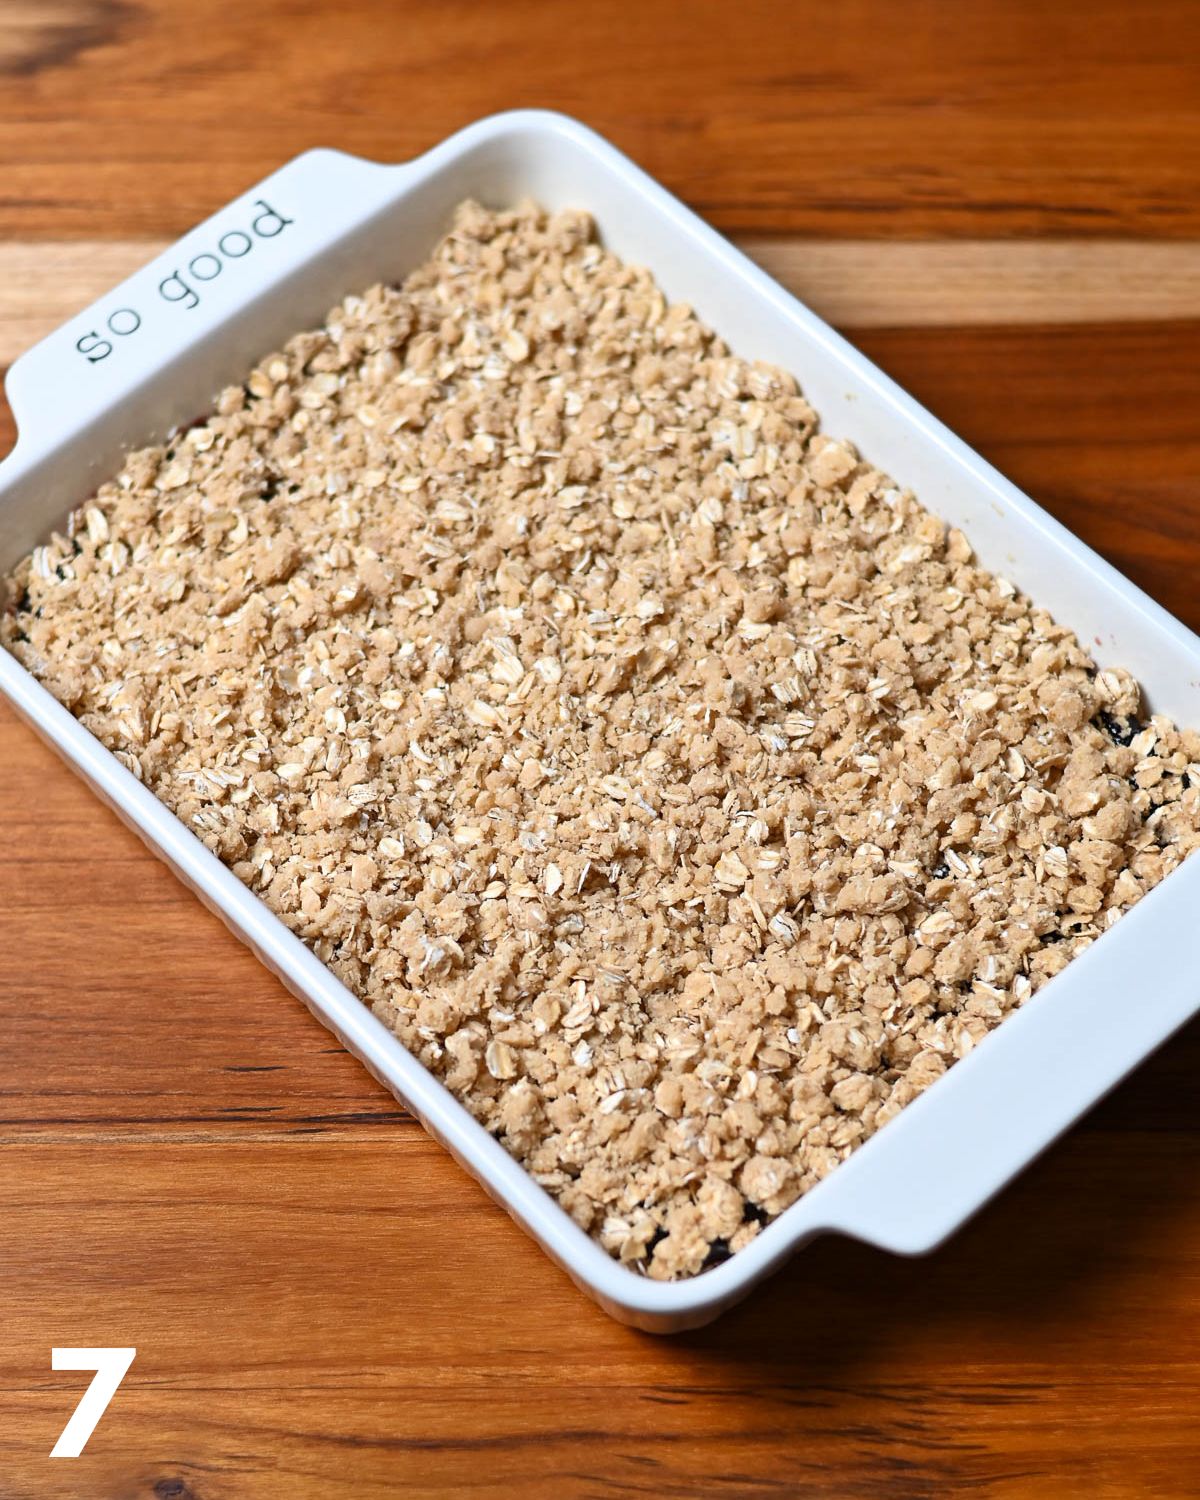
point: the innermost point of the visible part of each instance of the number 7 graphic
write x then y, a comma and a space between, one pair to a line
110, 1366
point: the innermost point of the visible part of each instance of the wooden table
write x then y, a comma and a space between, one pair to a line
1001, 201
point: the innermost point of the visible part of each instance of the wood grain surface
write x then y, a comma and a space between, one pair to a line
852, 283
1000, 199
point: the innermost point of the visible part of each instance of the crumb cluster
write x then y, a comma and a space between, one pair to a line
676, 787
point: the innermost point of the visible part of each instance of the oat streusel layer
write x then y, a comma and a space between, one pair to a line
672, 783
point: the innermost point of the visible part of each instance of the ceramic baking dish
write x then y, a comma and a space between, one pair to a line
154, 352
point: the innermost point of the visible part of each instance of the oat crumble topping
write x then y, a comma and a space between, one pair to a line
673, 784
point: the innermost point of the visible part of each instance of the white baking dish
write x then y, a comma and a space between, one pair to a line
154, 352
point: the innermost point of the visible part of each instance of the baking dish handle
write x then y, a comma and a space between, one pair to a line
212, 277
945, 1155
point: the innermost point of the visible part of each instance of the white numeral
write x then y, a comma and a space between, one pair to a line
110, 1366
